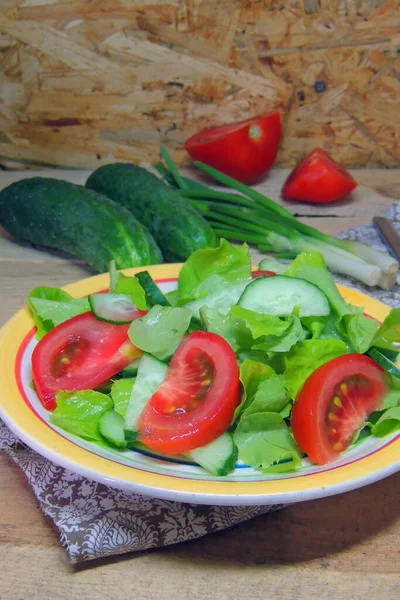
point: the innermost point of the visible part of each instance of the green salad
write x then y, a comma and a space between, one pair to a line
265, 368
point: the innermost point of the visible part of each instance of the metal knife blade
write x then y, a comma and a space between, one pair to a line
389, 234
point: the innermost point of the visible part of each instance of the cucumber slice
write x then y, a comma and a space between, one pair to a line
218, 457
111, 426
153, 293
384, 362
151, 374
113, 308
131, 370
278, 295
392, 355
223, 299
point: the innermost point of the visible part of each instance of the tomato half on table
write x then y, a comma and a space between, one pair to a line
318, 179
80, 354
196, 401
334, 403
245, 150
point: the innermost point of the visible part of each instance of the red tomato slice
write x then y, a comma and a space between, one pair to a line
261, 272
244, 150
318, 179
80, 354
196, 401
333, 404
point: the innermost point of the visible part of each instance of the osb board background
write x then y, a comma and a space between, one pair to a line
87, 82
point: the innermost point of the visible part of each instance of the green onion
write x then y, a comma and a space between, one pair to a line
249, 216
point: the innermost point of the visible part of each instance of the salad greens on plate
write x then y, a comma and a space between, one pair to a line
231, 365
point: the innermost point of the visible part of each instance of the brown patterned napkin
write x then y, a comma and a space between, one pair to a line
95, 520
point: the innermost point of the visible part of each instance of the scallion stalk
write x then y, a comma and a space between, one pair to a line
252, 217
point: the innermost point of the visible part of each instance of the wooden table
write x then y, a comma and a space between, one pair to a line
344, 547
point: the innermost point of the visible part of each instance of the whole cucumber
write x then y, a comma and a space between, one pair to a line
178, 228
64, 216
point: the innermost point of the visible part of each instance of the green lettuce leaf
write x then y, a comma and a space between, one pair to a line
131, 287
160, 331
359, 329
52, 306
260, 324
251, 374
263, 439
351, 321
315, 325
121, 391
388, 423
387, 337
211, 269
271, 396
305, 357
286, 341
233, 330
270, 263
245, 329
79, 413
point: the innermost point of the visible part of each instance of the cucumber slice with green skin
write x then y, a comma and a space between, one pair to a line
384, 362
151, 374
390, 354
117, 309
153, 293
218, 457
131, 370
111, 426
278, 295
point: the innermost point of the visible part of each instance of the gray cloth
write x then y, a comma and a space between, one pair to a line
95, 520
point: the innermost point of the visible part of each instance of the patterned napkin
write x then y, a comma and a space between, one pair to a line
95, 520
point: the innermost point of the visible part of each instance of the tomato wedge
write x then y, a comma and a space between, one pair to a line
244, 150
196, 401
334, 403
318, 179
80, 354
261, 272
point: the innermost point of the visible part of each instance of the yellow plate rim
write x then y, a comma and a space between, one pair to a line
47, 442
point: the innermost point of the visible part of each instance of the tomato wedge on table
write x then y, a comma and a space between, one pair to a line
196, 401
80, 354
334, 403
245, 150
318, 179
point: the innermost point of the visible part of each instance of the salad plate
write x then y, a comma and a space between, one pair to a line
160, 476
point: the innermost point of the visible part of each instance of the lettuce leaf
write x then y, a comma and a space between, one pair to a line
271, 396
211, 269
233, 330
251, 374
351, 322
79, 413
160, 331
286, 341
245, 329
131, 287
305, 357
121, 391
51, 306
260, 324
388, 423
263, 439
387, 337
